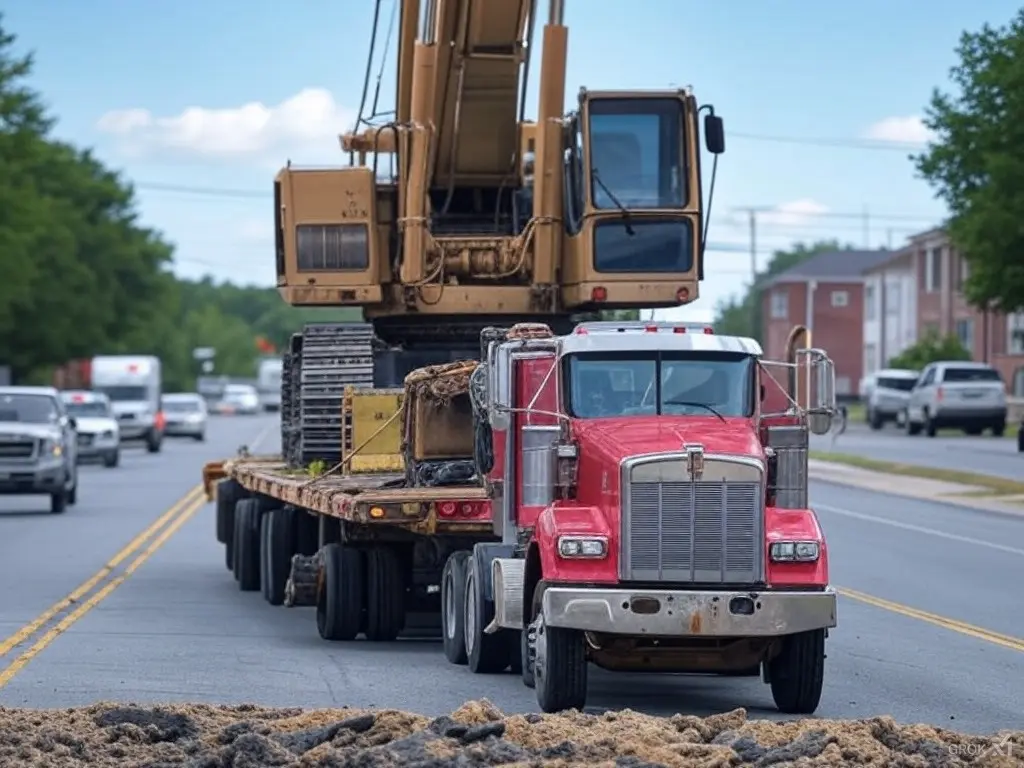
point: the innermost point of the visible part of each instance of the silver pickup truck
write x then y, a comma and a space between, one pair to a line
38, 446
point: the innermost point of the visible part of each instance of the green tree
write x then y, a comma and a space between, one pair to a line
976, 163
743, 316
931, 348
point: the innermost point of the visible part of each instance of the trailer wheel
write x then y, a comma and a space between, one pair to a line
339, 599
385, 594
228, 493
277, 545
559, 668
453, 607
486, 654
247, 544
797, 674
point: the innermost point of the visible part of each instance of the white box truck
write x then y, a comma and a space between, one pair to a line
134, 385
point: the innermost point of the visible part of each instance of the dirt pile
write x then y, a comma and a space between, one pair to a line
477, 734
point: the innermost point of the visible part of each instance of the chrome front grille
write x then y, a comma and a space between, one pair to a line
708, 531
17, 448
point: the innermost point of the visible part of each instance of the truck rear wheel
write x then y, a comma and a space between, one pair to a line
559, 668
485, 654
385, 594
797, 674
247, 544
339, 600
453, 607
277, 545
228, 493
153, 441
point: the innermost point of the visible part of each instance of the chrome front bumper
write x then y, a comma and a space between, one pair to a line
683, 613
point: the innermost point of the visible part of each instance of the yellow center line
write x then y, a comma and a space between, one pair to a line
64, 624
979, 633
87, 586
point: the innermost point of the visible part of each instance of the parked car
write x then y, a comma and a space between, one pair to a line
888, 395
37, 446
185, 415
960, 395
99, 436
240, 398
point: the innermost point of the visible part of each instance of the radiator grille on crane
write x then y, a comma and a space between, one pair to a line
693, 532
331, 247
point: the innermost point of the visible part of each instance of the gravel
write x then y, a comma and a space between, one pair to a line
477, 734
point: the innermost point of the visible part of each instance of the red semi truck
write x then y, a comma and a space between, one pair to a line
650, 490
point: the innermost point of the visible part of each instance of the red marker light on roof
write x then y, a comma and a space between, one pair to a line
77, 399
133, 368
679, 330
710, 331
651, 328
580, 331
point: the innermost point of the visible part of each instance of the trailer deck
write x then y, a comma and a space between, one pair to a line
361, 498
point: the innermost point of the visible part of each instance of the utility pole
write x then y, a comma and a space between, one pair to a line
756, 308
867, 229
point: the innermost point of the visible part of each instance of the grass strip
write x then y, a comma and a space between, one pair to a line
990, 485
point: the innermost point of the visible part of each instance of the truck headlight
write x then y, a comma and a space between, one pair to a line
582, 546
107, 434
795, 551
53, 448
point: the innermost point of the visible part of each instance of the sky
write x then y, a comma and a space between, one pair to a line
199, 103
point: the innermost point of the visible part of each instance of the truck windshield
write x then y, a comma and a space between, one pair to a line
96, 408
124, 393
668, 383
28, 409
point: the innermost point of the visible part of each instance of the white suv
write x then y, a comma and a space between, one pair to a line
961, 395
889, 395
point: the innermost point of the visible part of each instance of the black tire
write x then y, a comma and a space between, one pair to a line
58, 502
453, 607
247, 544
153, 442
111, 460
1020, 439
485, 654
998, 430
385, 594
528, 641
339, 601
277, 545
913, 429
929, 426
560, 668
229, 493
200, 438
797, 674
73, 491
874, 420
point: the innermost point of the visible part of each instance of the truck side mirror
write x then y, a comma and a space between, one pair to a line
714, 134
821, 392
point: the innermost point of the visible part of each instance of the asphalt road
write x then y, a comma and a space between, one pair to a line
985, 455
178, 629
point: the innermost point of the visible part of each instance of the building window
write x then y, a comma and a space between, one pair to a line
870, 299
933, 270
965, 332
892, 299
962, 272
840, 298
869, 359
1015, 334
780, 305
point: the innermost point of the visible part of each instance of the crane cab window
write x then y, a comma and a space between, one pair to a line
636, 153
609, 385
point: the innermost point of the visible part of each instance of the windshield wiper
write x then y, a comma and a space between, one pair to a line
627, 217
694, 404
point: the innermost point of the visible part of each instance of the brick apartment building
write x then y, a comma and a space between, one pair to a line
826, 294
937, 273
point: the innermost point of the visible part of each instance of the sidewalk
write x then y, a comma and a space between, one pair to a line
914, 487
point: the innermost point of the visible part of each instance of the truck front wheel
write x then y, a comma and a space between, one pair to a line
485, 654
798, 673
453, 607
559, 668
339, 599
385, 594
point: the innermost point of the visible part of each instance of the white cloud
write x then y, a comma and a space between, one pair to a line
308, 123
906, 130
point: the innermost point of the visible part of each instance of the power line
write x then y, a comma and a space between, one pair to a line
780, 211
838, 143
